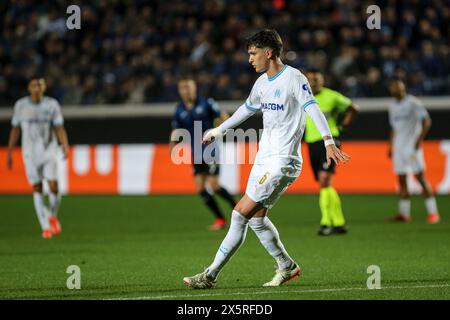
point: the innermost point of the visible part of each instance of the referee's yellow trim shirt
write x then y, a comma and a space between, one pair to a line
331, 103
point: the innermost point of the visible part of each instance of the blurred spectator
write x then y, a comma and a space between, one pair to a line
132, 51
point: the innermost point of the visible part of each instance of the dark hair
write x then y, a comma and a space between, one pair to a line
35, 77
185, 77
267, 38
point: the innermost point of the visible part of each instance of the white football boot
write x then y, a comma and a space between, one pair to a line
200, 281
283, 276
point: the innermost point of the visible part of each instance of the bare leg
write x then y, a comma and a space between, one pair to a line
54, 197
427, 192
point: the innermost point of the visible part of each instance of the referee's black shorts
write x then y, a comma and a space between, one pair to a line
318, 158
211, 169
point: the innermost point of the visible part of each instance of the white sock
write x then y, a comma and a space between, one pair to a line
431, 205
54, 201
269, 237
232, 241
38, 199
404, 206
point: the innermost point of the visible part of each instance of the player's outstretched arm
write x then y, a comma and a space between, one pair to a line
61, 135
333, 153
12, 141
239, 116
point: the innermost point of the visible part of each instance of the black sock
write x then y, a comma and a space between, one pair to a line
227, 196
211, 203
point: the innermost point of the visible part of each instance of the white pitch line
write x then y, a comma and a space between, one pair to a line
276, 292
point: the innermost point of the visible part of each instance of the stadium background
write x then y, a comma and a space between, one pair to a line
116, 79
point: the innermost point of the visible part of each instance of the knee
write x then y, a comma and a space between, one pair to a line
53, 186
404, 193
324, 180
325, 183
239, 208
199, 188
214, 185
421, 179
243, 209
37, 188
204, 194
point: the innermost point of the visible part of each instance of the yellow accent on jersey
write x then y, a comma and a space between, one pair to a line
331, 103
264, 178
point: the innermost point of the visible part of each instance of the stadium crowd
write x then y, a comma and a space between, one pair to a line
132, 51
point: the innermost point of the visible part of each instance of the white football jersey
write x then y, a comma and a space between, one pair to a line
282, 99
405, 118
36, 121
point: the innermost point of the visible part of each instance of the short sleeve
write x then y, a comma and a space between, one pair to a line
342, 102
15, 121
214, 107
253, 102
419, 110
302, 91
57, 118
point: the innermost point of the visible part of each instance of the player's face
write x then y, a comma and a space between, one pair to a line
187, 90
259, 58
34, 88
315, 80
397, 88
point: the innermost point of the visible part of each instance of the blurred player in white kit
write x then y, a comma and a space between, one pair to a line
410, 123
40, 120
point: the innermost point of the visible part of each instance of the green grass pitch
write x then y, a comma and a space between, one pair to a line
141, 247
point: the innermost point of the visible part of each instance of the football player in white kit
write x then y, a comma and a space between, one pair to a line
39, 119
284, 97
410, 123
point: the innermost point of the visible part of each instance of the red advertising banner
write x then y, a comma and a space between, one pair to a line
148, 169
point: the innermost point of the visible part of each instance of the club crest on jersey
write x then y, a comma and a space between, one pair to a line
272, 106
277, 93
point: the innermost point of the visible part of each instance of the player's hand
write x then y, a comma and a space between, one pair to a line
212, 135
9, 160
65, 151
418, 143
337, 155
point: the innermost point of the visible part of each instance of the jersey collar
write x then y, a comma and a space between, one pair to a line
35, 103
278, 73
194, 105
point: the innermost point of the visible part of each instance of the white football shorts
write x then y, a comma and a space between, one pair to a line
41, 168
408, 161
267, 182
